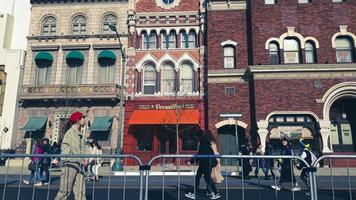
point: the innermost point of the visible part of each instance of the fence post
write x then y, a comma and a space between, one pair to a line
143, 169
312, 182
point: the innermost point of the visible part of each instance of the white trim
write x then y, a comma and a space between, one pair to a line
273, 39
343, 32
292, 113
147, 58
309, 38
231, 122
228, 42
291, 33
166, 58
187, 58
345, 89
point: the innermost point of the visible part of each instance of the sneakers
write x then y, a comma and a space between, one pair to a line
38, 184
26, 182
215, 196
46, 183
307, 193
190, 195
296, 189
276, 187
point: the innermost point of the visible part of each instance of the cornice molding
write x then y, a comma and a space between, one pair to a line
301, 68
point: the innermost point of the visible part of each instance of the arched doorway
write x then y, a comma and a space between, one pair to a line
343, 124
229, 143
294, 127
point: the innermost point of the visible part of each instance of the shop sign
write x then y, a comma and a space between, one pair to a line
173, 106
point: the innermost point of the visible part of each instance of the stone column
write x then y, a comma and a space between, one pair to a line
262, 132
59, 67
325, 134
91, 67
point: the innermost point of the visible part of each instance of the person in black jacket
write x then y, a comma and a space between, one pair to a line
287, 172
269, 162
46, 162
205, 166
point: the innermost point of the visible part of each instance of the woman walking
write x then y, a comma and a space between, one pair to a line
35, 165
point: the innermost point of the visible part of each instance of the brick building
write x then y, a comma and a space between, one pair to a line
293, 71
165, 73
72, 64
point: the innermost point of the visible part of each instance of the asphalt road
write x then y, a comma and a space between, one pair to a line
118, 187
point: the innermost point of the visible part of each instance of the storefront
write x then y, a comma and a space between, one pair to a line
151, 128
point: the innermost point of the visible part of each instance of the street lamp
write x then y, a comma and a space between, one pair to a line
117, 164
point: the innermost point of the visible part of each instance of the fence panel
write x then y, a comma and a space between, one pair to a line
17, 181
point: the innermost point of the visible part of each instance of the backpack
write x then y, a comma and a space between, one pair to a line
313, 158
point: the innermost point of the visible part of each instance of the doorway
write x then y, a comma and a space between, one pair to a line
229, 143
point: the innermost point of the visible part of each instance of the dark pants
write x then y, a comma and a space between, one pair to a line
287, 175
206, 171
45, 169
305, 177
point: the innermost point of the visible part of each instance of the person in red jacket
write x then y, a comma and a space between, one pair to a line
35, 165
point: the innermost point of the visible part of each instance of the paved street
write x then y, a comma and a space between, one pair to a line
128, 188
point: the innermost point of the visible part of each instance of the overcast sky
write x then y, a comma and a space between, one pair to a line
22, 20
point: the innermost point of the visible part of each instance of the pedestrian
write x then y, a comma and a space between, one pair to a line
269, 161
55, 149
46, 162
246, 165
260, 163
95, 161
74, 143
205, 166
309, 157
35, 164
287, 172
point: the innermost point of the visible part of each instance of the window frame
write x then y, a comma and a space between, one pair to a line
191, 44
233, 56
80, 25
350, 50
169, 79
276, 53
46, 79
145, 80
297, 51
50, 26
105, 23
185, 79
311, 51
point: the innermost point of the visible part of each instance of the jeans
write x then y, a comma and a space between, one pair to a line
206, 171
35, 174
45, 169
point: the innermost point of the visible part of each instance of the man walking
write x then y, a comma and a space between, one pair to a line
74, 143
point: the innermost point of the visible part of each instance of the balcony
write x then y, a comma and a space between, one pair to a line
33, 92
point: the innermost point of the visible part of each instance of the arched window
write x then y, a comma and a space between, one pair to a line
186, 78
150, 41
191, 39
79, 24
291, 51
229, 57
310, 52
170, 41
149, 79
344, 52
184, 39
49, 25
273, 52
168, 79
109, 19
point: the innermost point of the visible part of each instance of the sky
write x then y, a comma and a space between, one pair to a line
21, 13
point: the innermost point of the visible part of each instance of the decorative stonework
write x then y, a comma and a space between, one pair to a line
162, 4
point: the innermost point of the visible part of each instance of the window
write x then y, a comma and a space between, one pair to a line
168, 1
191, 39
107, 73
184, 39
229, 57
304, 1
343, 50
43, 74
79, 24
270, 1
75, 74
49, 26
168, 79
109, 19
149, 80
172, 40
186, 78
339, 0
230, 90
190, 140
152, 39
291, 51
309, 53
273, 51
144, 140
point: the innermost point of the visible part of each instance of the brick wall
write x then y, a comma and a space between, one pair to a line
151, 6
226, 25
320, 19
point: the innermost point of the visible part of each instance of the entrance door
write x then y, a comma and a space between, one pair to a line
343, 125
167, 143
228, 143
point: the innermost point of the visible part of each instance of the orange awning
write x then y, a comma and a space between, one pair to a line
188, 116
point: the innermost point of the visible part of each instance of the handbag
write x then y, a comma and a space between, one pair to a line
216, 174
32, 166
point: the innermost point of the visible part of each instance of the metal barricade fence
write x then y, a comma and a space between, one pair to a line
111, 185
338, 178
159, 184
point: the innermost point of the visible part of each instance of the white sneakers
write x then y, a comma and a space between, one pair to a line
278, 188
212, 195
38, 184
26, 182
